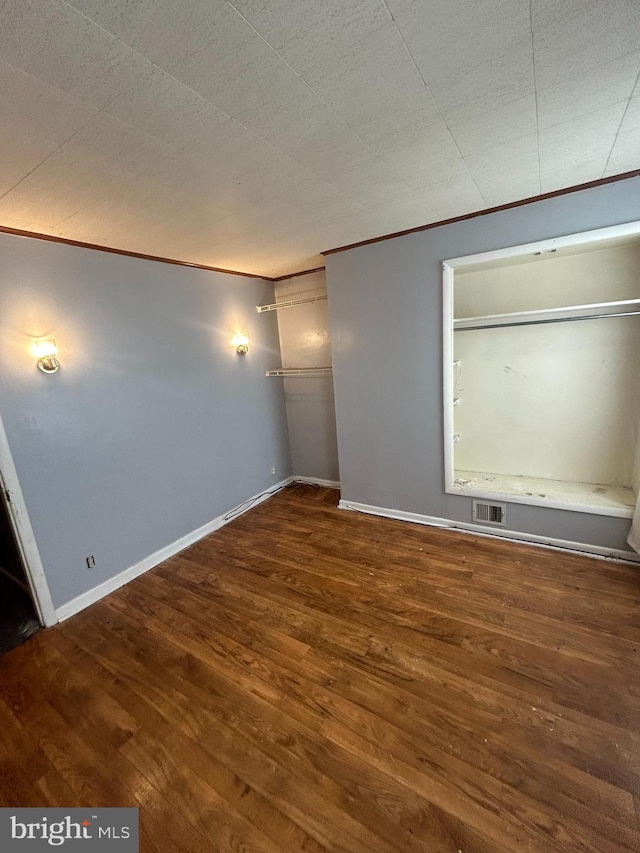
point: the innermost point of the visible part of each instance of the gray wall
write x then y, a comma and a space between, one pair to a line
153, 426
305, 342
385, 306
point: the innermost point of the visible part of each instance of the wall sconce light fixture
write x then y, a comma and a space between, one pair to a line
241, 343
46, 351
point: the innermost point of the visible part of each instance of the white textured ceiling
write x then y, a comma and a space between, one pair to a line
252, 135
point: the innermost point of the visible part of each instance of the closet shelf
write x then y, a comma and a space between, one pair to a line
289, 303
299, 371
594, 311
598, 498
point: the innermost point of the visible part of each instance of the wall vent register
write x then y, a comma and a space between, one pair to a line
489, 513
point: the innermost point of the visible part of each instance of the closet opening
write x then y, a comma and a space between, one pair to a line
25, 599
542, 373
18, 617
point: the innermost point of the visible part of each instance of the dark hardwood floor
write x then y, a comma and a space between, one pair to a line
308, 679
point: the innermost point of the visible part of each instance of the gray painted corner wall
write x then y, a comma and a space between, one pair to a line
305, 342
385, 307
153, 426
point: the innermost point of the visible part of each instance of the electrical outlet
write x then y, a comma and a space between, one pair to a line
273, 470
91, 562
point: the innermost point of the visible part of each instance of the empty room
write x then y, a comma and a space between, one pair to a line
320, 426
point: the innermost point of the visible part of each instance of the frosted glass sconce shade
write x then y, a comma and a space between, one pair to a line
241, 343
45, 352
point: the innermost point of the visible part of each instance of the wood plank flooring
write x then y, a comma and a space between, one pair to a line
308, 679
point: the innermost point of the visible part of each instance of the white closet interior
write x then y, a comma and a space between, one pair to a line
542, 373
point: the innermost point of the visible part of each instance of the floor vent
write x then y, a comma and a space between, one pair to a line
489, 513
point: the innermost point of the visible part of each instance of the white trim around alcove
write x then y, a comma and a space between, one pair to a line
600, 235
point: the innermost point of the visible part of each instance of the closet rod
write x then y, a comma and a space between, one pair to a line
289, 303
549, 320
299, 371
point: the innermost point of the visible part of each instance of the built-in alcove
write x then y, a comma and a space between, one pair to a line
305, 345
542, 373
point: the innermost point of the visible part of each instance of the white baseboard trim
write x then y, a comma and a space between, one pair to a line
91, 596
315, 481
594, 551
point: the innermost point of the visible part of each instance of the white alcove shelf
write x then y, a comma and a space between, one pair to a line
542, 373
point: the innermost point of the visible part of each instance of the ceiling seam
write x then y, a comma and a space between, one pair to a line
93, 117
49, 155
426, 86
626, 109
280, 153
98, 110
151, 138
376, 155
4, 61
154, 64
137, 53
535, 92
